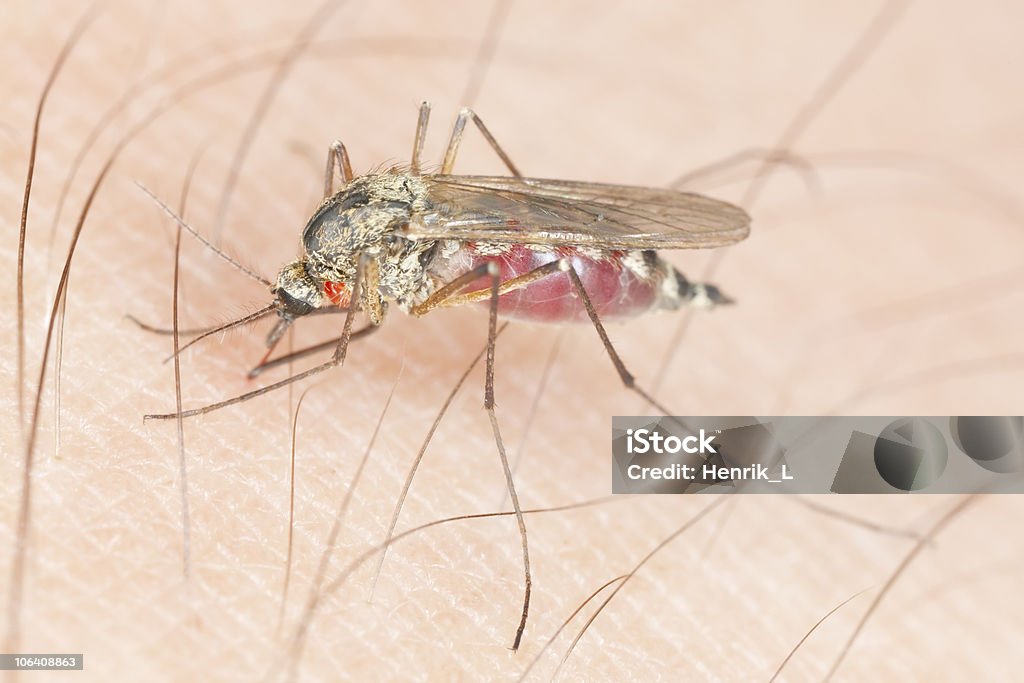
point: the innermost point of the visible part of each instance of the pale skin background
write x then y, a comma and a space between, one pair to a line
895, 291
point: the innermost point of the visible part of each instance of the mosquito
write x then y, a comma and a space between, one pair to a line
550, 251
543, 250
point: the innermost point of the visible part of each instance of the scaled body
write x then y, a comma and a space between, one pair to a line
384, 217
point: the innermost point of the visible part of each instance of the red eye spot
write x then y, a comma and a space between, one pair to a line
337, 293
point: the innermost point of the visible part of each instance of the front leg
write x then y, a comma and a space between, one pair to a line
340, 351
452, 295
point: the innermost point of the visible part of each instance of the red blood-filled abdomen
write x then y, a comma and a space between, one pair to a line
614, 289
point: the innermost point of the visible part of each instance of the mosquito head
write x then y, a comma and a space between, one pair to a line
298, 293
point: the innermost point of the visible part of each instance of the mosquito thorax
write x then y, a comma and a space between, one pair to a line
360, 219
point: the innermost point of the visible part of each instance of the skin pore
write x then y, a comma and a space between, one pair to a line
893, 289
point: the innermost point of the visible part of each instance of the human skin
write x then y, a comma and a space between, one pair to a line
894, 290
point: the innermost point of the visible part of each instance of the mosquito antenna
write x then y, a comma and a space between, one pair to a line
62, 285
188, 332
195, 233
233, 68
338, 359
229, 71
244, 320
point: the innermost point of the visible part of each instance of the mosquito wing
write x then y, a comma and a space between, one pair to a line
567, 213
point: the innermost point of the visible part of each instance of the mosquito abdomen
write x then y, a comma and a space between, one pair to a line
620, 284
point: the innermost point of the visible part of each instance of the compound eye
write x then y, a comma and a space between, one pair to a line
337, 293
292, 306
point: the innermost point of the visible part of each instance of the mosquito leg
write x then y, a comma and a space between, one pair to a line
450, 295
414, 468
492, 334
421, 137
310, 350
446, 296
456, 138
627, 378
338, 359
452, 289
337, 157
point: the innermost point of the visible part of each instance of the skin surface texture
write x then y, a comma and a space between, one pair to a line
883, 276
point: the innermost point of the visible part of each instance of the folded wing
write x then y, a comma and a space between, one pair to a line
568, 213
